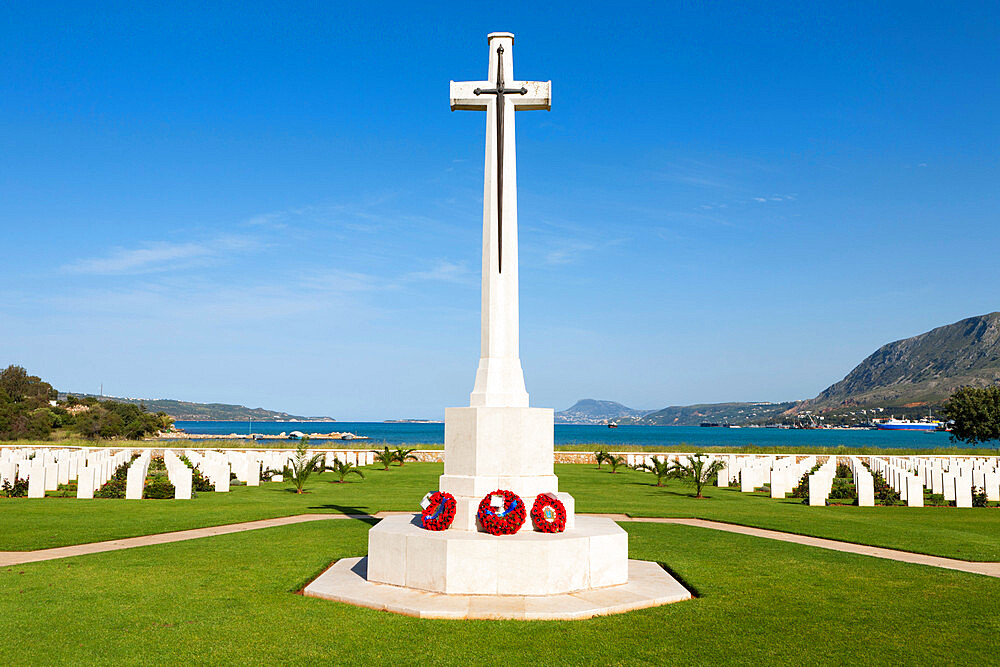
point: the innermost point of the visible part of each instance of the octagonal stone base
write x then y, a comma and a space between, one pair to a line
648, 586
594, 554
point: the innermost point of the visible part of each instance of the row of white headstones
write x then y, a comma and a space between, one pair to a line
46, 468
952, 477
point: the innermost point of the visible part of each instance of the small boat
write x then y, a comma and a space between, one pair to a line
612, 424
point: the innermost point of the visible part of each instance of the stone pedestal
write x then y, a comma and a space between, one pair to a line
592, 555
490, 448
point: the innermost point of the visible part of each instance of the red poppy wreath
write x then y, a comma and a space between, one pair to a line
548, 514
440, 511
503, 517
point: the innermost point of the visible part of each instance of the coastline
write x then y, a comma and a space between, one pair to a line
180, 435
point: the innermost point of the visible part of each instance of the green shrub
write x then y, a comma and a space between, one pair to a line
978, 497
884, 495
842, 489
17, 489
158, 487
199, 482
936, 499
844, 471
801, 489
113, 488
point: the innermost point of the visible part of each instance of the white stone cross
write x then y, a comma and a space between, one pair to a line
500, 379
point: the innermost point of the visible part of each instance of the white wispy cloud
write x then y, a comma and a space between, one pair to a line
160, 256
340, 281
444, 270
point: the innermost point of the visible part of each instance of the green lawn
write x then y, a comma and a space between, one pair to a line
971, 534
230, 600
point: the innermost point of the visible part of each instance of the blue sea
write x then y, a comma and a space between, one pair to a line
567, 434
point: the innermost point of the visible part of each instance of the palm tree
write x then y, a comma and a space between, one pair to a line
601, 456
385, 457
697, 471
402, 455
614, 462
660, 468
343, 469
302, 466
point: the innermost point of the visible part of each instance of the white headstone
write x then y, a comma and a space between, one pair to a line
914, 492
85, 483
36, 482
963, 492
182, 483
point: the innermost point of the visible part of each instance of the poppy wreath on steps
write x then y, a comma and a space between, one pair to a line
439, 512
504, 520
548, 514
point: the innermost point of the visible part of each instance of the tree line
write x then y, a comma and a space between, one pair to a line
30, 409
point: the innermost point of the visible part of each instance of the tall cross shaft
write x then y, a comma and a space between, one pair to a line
499, 379
500, 91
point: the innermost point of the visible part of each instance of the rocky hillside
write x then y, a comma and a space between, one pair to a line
924, 369
188, 411
591, 411
736, 414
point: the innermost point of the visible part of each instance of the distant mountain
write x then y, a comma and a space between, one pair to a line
719, 413
592, 411
187, 411
924, 369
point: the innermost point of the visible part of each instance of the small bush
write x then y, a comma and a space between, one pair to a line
113, 488
158, 488
884, 495
844, 471
801, 489
199, 482
842, 489
978, 497
17, 489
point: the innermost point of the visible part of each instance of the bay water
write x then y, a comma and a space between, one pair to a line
572, 434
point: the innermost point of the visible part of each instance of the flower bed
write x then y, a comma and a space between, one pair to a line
157, 484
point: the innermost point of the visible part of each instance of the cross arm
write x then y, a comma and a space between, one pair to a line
464, 99
539, 95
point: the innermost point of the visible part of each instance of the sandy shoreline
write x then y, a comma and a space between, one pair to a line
180, 435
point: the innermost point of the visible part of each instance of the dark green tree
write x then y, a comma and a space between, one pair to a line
976, 413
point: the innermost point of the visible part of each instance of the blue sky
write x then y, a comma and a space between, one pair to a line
272, 205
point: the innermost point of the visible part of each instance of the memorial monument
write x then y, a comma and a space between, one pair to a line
499, 445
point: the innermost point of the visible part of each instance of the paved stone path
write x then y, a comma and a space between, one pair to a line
988, 569
19, 557
8, 558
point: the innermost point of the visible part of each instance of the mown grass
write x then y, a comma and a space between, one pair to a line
230, 600
970, 534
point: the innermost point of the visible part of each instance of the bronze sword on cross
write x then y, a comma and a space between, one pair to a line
500, 91
529, 95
